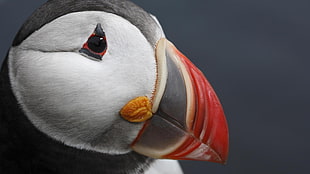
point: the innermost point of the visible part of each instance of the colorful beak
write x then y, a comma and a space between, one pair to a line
188, 121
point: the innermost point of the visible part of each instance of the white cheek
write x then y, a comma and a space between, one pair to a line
63, 99
77, 100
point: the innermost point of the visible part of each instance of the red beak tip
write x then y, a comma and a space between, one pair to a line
202, 132
209, 125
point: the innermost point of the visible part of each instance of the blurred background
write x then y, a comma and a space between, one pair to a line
255, 53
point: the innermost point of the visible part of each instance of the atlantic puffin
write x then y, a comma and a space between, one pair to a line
94, 86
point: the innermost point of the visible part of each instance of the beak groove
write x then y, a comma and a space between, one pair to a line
188, 122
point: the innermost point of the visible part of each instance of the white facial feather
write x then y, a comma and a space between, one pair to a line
164, 167
77, 100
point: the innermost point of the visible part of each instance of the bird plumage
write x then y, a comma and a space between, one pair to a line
25, 149
124, 8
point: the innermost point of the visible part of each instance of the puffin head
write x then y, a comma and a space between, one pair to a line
101, 76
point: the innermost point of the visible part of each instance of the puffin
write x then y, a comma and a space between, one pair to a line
94, 86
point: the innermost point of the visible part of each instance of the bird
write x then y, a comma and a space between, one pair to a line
94, 86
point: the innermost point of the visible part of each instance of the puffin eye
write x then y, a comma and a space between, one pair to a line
96, 45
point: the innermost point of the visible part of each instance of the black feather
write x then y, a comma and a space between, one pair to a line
56, 8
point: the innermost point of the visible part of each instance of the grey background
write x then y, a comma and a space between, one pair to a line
256, 55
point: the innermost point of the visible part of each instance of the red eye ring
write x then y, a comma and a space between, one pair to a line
96, 45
